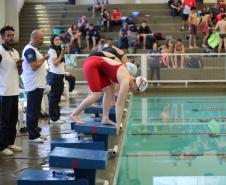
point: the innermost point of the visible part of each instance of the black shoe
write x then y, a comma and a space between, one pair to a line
39, 129
44, 115
23, 129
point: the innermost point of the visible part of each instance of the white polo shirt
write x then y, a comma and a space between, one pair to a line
9, 77
33, 79
59, 69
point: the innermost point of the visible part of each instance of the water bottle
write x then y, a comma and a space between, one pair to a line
62, 174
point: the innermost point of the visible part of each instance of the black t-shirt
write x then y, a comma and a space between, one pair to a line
178, 4
93, 33
100, 54
97, 53
114, 52
144, 30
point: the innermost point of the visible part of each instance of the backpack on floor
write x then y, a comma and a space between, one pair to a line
214, 40
195, 62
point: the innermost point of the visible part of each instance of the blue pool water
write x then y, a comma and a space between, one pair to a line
174, 141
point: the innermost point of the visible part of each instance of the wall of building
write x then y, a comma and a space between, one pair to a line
2, 13
10, 13
12, 17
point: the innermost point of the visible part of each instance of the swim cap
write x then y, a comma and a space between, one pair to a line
131, 68
142, 83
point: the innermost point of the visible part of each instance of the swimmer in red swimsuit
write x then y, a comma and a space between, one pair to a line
100, 73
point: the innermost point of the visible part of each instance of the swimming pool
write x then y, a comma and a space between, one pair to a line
174, 140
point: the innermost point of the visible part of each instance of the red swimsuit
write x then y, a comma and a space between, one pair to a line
99, 73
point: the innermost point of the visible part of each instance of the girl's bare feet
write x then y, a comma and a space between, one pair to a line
107, 122
76, 119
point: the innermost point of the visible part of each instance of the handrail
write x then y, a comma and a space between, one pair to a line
211, 58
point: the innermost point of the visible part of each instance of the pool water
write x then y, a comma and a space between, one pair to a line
174, 141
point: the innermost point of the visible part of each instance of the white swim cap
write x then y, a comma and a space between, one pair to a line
142, 83
131, 68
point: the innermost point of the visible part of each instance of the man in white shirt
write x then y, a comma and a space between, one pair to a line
10, 69
34, 79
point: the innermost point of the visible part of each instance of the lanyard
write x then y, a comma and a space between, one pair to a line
13, 55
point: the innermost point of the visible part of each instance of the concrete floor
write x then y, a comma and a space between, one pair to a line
36, 155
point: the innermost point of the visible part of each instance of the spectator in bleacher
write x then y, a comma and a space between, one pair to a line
98, 6
179, 49
124, 39
143, 32
109, 43
34, 79
115, 18
187, 5
193, 27
154, 62
55, 78
221, 5
204, 25
71, 80
75, 35
65, 41
82, 25
167, 49
221, 27
64, 37
10, 69
105, 20
93, 36
176, 7
100, 45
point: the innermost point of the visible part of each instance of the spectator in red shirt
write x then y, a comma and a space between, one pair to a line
115, 18
190, 3
187, 5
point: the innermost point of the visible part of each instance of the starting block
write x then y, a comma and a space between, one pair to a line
99, 110
50, 177
99, 131
84, 162
77, 143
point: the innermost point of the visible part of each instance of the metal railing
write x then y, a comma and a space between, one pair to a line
174, 68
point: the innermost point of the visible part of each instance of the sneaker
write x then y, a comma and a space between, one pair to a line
152, 84
59, 121
39, 129
7, 152
74, 92
15, 148
43, 137
23, 129
37, 140
158, 84
62, 98
64, 119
